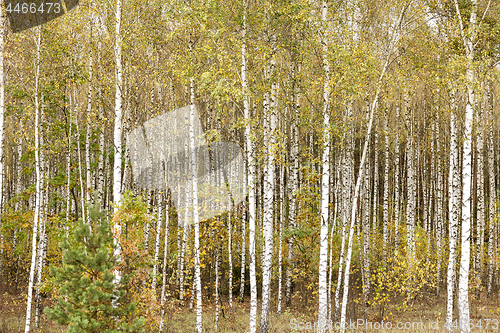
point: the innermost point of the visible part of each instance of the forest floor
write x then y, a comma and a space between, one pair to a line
421, 316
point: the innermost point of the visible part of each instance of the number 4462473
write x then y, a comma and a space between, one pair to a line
33, 8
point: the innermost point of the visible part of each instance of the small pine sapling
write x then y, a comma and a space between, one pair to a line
85, 282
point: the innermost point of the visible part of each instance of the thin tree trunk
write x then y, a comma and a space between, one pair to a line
217, 261
375, 191
439, 206
280, 245
157, 241
366, 237
100, 165
42, 250
68, 165
396, 184
454, 211
243, 253
164, 273
230, 258
481, 202
492, 191
463, 284
330, 273
117, 140
194, 172
42, 244
87, 134
385, 228
38, 180
251, 177
294, 171
412, 183
150, 196
82, 187
268, 186
185, 236
325, 186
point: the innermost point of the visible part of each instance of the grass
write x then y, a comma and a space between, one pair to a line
181, 320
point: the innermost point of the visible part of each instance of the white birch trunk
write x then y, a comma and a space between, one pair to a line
376, 179
42, 252
385, 222
366, 237
396, 183
42, 244
150, 196
269, 167
463, 287
294, 170
100, 163
157, 241
412, 182
230, 258
463, 284
243, 255
87, 136
38, 180
492, 192
217, 260
82, 187
481, 204
454, 210
164, 273
330, 263
185, 236
325, 185
280, 245
19, 163
68, 167
251, 178
439, 206
194, 172
117, 139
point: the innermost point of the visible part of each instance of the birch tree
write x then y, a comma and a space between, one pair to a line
117, 139
38, 42
385, 229
453, 209
251, 179
194, 197
325, 183
412, 182
492, 191
270, 120
468, 38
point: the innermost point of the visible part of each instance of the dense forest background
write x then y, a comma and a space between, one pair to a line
370, 135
